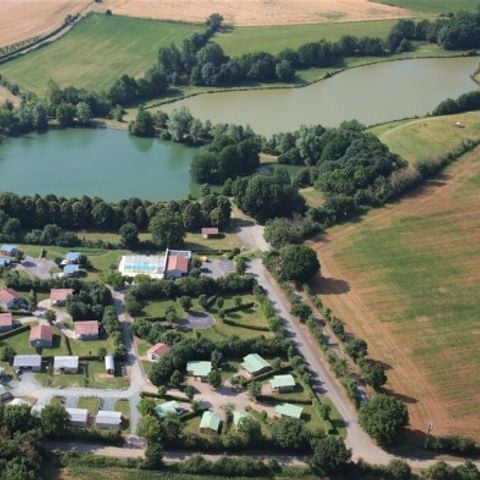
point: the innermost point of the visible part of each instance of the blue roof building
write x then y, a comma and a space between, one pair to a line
4, 262
9, 249
71, 269
72, 257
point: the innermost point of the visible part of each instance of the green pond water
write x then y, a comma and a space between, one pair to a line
372, 94
104, 162
115, 165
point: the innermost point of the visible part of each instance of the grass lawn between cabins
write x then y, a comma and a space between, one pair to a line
92, 404
412, 271
123, 406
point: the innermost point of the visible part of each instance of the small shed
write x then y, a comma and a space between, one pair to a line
6, 321
78, 416
167, 408
199, 368
110, 364
282, 383
210, 232
210, 422
108, 419
289, 410
66, 364
27, 362
255, 364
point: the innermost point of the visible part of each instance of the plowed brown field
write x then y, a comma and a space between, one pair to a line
407, 279
258, 12
23, 19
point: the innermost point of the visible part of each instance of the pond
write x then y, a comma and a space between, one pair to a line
104, 162
372, 94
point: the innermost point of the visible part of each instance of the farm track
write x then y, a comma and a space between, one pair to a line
357, 306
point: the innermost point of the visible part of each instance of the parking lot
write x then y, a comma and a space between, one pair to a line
218, 267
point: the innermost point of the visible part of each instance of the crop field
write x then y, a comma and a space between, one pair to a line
406, 278
274, 39
415, 140
257, 12
433, 6
96, 52
24, 19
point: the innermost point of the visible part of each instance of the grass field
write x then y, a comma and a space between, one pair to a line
433, 6
274, 39
406, 278
96, 52
92, 404
419, 139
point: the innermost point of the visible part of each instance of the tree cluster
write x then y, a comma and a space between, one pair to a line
464, 103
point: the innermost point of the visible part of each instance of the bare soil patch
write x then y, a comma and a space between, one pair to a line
5, 94
23, 19
430, 353
258, 12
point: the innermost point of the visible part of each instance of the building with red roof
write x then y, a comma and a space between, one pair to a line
157, 351
178, 263
58, 296
87, 330
209, 232
6, 321
41, 336
9, 298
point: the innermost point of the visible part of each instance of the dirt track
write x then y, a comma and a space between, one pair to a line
23, 19
359, 304
258, 12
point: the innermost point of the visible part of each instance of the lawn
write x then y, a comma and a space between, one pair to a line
433, 6
96, 52
92, 404
19, 343
411, 286
225, 241
419, 139
312, 196
123, 406
90, 347
273, 39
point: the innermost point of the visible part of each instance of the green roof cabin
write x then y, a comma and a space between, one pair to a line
282, 383
237, 416
210, 422
167, 408
254, 364
199, 369
289, 410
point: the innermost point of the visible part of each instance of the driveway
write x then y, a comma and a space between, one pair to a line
36, 267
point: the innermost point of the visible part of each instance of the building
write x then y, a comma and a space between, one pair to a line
41, 336
58, 296
157, 351
78, 416
199, 369
282, 383
67, 364
289, 410
71, 270
37, 410
8, 250
173, 264
210, 422
178, 263
237, 416
9, 298
27, 362
167, 408
71, 258
255, 364
108, 419
110, 364
6, 322
5, 262
210, 232
17, 402
4, 393
86, 330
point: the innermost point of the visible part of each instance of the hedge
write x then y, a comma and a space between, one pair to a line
13, 332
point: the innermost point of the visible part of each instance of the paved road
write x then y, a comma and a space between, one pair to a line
36, 267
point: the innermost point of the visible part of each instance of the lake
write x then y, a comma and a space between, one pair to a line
372, 94
104, 162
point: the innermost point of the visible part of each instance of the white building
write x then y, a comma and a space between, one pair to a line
108, 419
78, 416
110, 364
27, 362
67, 364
